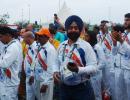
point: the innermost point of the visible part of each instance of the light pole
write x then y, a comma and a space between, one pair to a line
59, 4
29, 12
22, 18
109, 13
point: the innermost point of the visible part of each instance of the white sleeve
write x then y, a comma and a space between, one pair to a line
9, 57
115, 49
124, 48
91, 62
101, 58
51, 65
57, 68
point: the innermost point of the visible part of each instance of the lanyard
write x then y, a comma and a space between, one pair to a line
31, 50
63, 55
96, 53
5, 50
29, 58
126, 38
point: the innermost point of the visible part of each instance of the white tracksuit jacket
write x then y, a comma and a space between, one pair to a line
29, 69
122, 72
10, 63
45, 63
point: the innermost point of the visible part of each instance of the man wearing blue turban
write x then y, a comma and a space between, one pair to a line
77, 61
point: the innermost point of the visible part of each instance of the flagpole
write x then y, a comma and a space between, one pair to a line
29, 13
22, 17
59, 5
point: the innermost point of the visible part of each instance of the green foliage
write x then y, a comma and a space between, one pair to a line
22, 24
4, 18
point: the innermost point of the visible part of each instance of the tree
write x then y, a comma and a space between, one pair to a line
3, 18
22, 24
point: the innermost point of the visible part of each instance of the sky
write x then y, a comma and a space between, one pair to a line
91, 11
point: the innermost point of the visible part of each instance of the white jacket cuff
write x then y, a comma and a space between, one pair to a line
87, 69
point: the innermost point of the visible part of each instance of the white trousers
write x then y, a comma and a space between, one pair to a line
44, 96
12, 93
96, 81
30, 90
127, 83
120, 92
2, 91
109, 81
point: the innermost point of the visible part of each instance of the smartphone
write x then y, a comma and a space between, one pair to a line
71, 63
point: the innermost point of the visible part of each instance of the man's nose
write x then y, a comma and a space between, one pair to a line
73, 29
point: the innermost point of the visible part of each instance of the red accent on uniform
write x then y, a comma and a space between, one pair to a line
107, 44
8, 73
44, 65
105, 96
76, 59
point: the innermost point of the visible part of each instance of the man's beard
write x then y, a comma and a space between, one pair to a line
127, 27
73, 36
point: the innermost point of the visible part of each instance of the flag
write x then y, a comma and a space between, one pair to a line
76, 59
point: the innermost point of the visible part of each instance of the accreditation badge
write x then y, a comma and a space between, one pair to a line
66, 72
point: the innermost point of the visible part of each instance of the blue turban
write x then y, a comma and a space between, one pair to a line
75, 19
